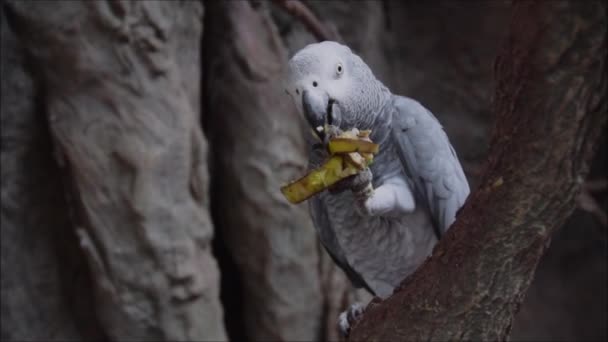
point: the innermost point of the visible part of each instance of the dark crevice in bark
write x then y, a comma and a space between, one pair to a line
230, 278
11, 17
386, 11
204, 84
231, 288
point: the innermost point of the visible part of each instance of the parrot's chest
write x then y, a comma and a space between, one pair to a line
383, 250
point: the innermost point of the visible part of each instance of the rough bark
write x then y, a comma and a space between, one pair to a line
551, 106
258, 145
444, 62
301, 12
34, 214
122, 84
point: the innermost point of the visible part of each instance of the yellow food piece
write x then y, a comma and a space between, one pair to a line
364, 133
347, 145
356, 160
319, 179
368, 157
350, 153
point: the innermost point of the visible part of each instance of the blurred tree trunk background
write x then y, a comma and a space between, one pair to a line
144, 143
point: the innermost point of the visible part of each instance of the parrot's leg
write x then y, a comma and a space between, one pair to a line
350, 316
394, 197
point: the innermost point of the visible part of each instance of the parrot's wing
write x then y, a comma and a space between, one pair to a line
330, 242
429, 160
327, 235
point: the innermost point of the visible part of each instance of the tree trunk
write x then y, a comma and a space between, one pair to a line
122, 84
34, 218
113, 90
257, 146
551, 107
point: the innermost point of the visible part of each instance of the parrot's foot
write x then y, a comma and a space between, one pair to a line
350, 316
359, 184
361, 187
363, 195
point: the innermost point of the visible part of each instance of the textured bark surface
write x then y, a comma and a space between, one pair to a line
123, 104
33, 212
551, 107
120, 83
258, 145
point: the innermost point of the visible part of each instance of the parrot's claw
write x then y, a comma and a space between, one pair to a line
350, 316
362, 199
359, 184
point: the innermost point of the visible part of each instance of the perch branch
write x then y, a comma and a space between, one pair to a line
550, 104
308, 18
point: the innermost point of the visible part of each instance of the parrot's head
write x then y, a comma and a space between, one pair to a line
330, 84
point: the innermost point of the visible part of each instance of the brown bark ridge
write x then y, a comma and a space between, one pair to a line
301, 12
258, 145
551, 108
122, 81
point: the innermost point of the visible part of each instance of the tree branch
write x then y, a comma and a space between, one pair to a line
243, 66
551, 106
308, 19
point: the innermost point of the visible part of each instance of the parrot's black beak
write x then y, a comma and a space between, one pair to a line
318, 112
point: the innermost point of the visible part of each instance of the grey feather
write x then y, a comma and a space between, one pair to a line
326, 233
429, 160
378, 251
331, 245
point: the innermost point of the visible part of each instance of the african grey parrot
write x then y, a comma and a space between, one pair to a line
381, 230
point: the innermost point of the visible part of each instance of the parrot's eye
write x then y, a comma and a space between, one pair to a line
339, 69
